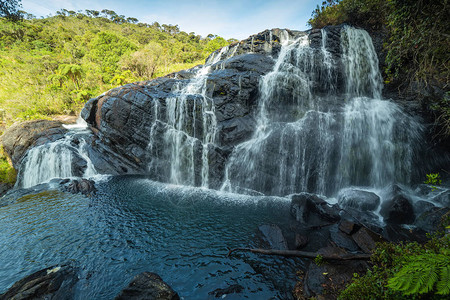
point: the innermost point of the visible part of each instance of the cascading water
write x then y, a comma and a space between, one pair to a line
189, 128
57, 159
313, 137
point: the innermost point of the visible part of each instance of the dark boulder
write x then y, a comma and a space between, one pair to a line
398, 210
18, 138
401, 233
147, 286
422, 206
341, 239
358, 199
361, 218
83, 186
51, 283
274, 236
433, 219
366, 239
312, 210
348, 227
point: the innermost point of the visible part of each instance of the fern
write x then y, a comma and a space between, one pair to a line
422, 274
443, 285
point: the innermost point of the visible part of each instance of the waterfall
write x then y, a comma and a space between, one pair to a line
313, 137
66, 157
188, 129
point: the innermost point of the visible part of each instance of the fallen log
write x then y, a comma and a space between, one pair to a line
304, 254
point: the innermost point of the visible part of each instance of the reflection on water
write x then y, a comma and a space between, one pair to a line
134, 225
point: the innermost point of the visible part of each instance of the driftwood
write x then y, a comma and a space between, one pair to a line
304, 254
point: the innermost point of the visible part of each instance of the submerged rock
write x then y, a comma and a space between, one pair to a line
147, 286
51, 283
232, 289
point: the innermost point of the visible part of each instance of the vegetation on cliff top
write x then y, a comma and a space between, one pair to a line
417, 42
53, 65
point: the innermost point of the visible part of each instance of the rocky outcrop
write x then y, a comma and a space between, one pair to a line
18, 138
56, 282
147, 286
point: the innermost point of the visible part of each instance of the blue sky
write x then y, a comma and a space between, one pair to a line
227, 18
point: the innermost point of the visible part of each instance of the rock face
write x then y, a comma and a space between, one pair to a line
147, 286
18, 138
52, 283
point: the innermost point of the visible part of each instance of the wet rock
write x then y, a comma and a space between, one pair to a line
358, 199
51, 283
404, 233
312, 210
442, 197
18, 138
300, 241
4, 188
432, 219
232, 289
274, 236
147, 286
348, 227
366, 239
326, 281
422, 206
398, 210
83, 186
362, 218
341, 239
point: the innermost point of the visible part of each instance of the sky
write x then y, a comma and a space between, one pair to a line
227, 18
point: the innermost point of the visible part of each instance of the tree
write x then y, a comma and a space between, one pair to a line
10, 9
145, 61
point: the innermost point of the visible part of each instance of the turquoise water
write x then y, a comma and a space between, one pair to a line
134, 225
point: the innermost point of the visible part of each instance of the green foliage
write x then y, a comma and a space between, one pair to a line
423, 273
318, 260
370, 14
53, 65
433, 179
216, 43
405, 271
7, 172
